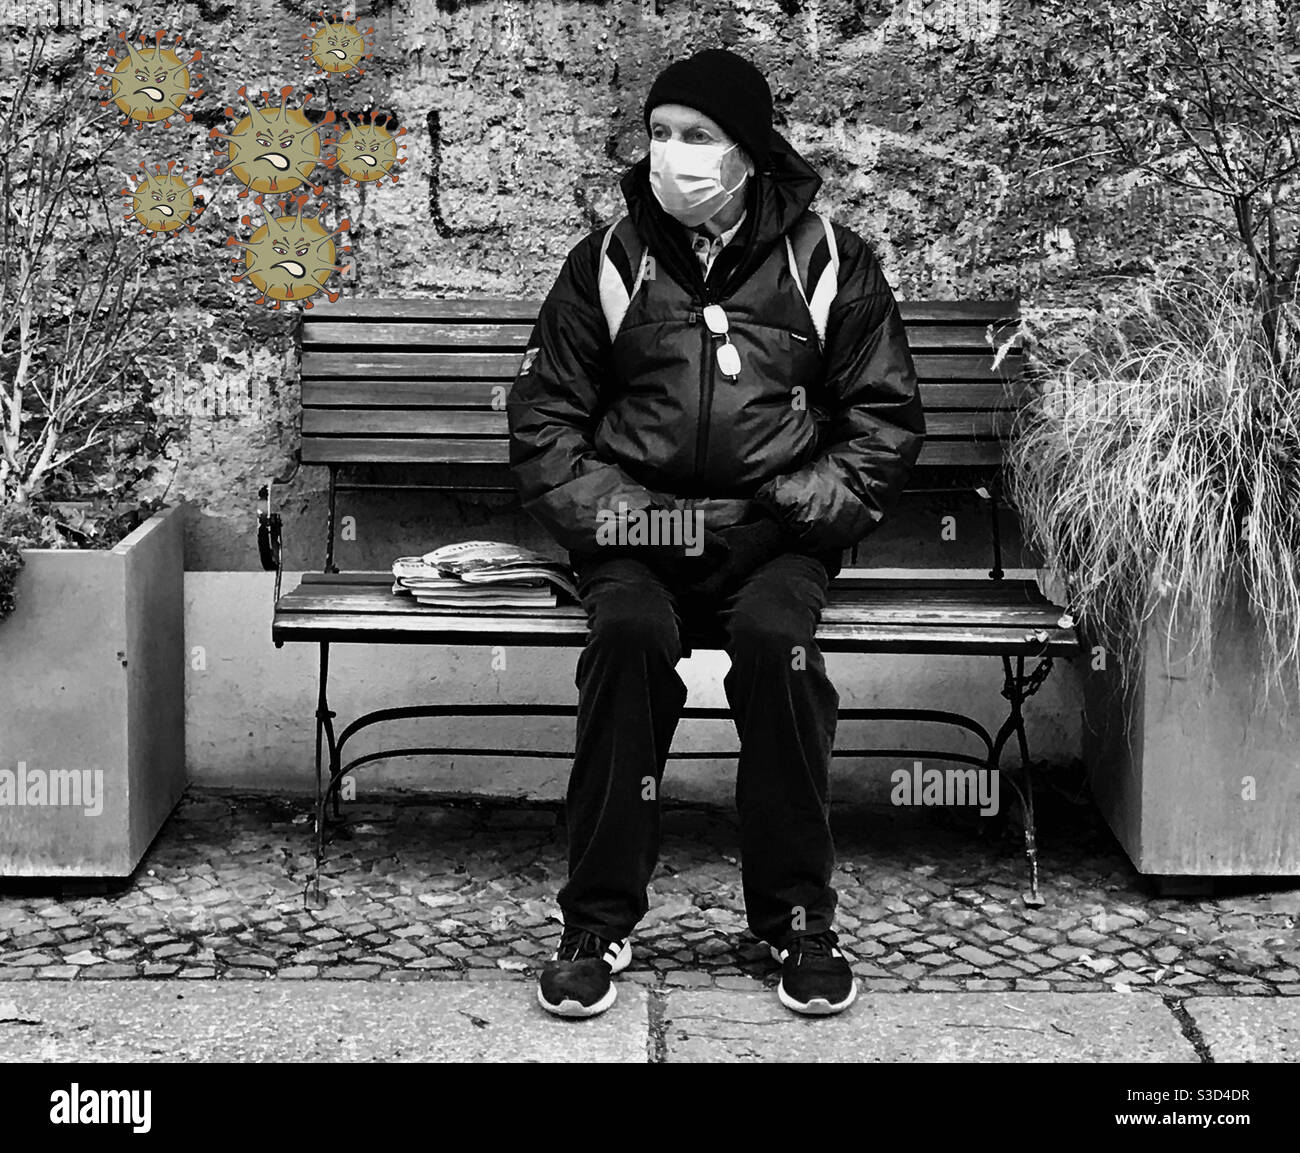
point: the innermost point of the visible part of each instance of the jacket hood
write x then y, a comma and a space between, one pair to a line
775, 199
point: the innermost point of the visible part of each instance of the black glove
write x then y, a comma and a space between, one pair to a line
748, 547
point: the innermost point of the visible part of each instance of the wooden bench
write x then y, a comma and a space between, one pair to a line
423, 383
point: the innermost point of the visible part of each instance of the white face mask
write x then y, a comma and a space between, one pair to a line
687, 179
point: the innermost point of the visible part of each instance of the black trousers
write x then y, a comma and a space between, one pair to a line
630, 699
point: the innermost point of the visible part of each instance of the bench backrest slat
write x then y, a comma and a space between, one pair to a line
445, 336
458, 422
423, 382
407, 364
365, 394
499, 308
345, 450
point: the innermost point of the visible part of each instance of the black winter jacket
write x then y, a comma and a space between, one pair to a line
651, 422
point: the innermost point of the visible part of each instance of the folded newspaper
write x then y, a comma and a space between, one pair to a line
484, 574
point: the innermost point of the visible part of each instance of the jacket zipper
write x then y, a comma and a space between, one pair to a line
706, 391
696, 315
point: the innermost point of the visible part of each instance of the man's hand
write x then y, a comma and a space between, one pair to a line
747, 547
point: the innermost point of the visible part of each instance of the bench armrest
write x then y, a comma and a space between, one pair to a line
269, 528
992, 495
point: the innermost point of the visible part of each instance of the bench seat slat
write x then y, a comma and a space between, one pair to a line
860, 600
416, 365
912, 616
378, 597
412, 422
367, 593
935, 453
497, 627
899, 583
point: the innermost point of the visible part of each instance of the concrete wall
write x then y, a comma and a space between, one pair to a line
520, 118
249, 707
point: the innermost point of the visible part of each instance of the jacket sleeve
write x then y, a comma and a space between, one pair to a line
553, 412
875, 425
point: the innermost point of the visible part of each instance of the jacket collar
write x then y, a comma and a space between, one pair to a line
775, 200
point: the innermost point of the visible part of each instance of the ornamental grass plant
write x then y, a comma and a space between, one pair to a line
1158, 473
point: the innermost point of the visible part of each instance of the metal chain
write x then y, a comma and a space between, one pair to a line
1032, 681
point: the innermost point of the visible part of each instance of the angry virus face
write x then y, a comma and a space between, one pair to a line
161, 202
272, 149
149, 85
289, 257
367, 152
338, 46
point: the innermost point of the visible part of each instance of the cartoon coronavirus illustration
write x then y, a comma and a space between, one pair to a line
338, 46
272, 149
290, 257
162, 203
367, 151
149, 85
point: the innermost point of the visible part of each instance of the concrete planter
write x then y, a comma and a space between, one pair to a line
92, 674
1195, 781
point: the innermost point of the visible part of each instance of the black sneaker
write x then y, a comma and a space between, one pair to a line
576, 981
815, 976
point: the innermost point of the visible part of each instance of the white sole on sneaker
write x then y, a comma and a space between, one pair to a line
819, 1006
570, 1008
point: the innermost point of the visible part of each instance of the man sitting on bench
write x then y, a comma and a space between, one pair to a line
725, 355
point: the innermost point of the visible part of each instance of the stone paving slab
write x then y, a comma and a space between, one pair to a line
309, 1021
716, 1025
1252, 1030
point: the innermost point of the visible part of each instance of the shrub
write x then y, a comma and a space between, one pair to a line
1161, 467
78, 429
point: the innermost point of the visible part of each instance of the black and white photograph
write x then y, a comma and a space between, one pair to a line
605, 532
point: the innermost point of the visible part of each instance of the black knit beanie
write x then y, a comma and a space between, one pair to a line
725, 87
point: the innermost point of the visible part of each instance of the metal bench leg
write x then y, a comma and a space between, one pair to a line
1027, 798
325, 742
1017, 688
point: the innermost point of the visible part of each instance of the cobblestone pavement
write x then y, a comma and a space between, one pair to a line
416, 890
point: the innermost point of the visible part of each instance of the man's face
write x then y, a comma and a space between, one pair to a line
678, 122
